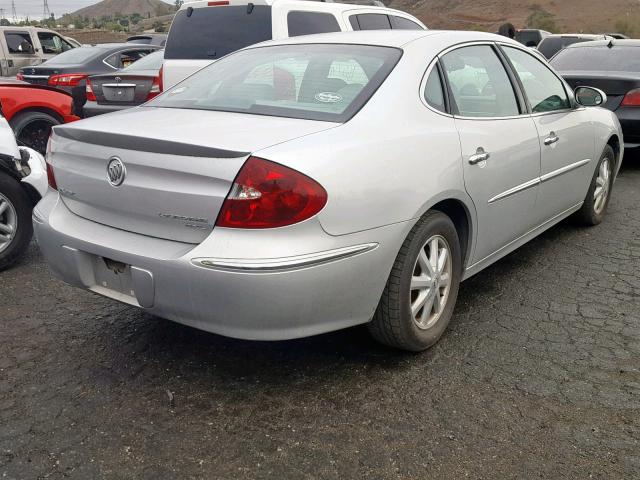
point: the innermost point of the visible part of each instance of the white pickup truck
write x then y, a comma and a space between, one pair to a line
22, 46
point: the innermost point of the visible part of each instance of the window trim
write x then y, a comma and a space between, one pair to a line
567, 92
516, 87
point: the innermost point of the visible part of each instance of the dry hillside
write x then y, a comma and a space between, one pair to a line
107, 8
569, 15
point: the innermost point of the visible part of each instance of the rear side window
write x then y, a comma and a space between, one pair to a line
306, 81
370, 21
307, 23
19, 43
213, 32
479, 83
433, 91
401, 23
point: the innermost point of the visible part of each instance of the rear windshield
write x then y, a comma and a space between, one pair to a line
152, 61
76, 56
551, 45
213, 32
306, 81
616, 59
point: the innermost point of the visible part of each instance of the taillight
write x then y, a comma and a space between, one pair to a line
218, 3
20, 76
268, 195
91, 96
155, 88
66, 79
51, 178
160, 79
631, 99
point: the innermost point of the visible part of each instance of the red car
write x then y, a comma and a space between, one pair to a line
32, 110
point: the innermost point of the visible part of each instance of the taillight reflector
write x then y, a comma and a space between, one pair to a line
268, 195
632, 98
218, 3
91, 95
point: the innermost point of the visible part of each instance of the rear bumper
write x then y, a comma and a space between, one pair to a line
91, 109
337, 283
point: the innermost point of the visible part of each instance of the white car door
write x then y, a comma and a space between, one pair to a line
499, 141
566, 135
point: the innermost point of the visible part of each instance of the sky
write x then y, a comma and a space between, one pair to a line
33, 8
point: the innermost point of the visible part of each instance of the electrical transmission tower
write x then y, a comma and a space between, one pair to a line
46, 13
14, 15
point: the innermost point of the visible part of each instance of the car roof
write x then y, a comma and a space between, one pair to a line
391, 38
610, 42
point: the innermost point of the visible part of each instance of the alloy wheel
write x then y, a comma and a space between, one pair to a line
603, 184
8, 222
431, 282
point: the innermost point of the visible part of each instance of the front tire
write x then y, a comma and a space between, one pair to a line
16, 228
597, 199
420, 295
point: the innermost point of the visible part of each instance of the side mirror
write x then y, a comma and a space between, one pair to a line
590, 97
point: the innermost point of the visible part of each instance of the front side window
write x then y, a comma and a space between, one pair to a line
19, 43
401, 23
544, 90
307, 23
52, 43
479, 83
306, 81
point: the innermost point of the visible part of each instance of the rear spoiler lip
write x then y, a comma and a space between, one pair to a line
144, 144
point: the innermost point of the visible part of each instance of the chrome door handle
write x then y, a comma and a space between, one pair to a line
479, 156
551, 139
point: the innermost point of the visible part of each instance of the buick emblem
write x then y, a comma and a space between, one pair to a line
116, 171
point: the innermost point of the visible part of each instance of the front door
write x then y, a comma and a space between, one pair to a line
500, 148
567, 161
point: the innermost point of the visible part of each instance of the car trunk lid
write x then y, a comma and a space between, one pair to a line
175, 180
122, 89
615, 85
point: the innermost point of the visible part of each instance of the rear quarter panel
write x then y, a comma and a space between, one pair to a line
390, 163
16, 99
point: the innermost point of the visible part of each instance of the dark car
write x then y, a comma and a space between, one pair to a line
531, 37
552, 44
69, 70
613, 66
125, 88
159, 39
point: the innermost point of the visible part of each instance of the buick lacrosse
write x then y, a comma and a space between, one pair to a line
307, 185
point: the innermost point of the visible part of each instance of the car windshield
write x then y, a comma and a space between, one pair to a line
549, 46
213, 32
306, 81
153, 61
75, 56
602, 58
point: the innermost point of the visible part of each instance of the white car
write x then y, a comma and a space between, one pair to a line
23, 182
306, 185
204, 31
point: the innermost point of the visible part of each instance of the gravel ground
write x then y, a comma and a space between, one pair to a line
538, 376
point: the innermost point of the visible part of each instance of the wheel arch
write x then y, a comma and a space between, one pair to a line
614, 142
37, 109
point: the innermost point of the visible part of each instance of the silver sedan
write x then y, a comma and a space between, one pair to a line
307, 185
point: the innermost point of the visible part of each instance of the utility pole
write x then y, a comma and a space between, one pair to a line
14, 15
46, 13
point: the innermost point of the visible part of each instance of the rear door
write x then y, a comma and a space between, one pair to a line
500, 148
565, 133
21, 49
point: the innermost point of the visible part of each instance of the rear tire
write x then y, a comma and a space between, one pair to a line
420, 295
595, 203
32, 129
15, 208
